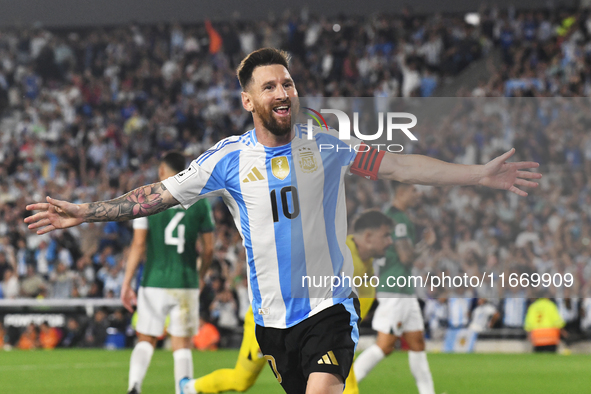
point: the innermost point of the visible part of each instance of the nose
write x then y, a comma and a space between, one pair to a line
281, 93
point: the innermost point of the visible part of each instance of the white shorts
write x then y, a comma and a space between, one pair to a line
155, 304
398, 315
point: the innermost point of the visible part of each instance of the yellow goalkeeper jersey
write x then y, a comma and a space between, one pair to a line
360, 268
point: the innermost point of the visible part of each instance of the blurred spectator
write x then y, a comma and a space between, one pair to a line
4, 265
33, 284
10, 285
96, 332
113, 281
49, 337
2, 335
436, 317
208, 336
514, 308
62, 282
73, 334
29, 338
224, 310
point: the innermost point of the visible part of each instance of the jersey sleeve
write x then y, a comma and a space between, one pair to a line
140, 223
367, 162
196, 182
400, 231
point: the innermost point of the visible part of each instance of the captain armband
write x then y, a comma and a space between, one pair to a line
367, 162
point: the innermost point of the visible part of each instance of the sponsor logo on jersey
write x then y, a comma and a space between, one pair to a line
280, 167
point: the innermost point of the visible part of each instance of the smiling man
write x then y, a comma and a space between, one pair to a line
292, 218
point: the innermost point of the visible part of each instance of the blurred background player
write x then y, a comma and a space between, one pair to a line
170, 283
370, 239
398, 312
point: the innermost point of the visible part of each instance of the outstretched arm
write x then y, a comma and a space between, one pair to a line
423, 170
143, 201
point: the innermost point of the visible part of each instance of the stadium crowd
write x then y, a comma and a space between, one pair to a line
86, 114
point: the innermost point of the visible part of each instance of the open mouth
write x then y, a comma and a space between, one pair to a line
282, 110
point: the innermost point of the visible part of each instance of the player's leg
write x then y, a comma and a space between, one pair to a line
150, 324
371, 356
322, 382
140, 361
387, 321
328, 347
417, 357
183, 325
282, 359
351, 386
249, 365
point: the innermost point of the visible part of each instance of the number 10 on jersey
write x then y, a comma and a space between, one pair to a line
286, 194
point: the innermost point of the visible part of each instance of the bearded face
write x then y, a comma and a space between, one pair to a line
275, 118
273, 98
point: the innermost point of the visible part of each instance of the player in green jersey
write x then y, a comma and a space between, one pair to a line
170, 282
398, 313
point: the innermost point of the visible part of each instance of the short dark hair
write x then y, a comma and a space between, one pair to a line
260, 57
174, 160
371, 219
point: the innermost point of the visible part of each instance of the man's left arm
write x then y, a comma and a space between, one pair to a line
423, 170
207, 227
207, 243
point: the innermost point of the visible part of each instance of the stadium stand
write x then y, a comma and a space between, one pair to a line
86, 114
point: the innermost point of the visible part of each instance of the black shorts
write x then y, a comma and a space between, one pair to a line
324, 342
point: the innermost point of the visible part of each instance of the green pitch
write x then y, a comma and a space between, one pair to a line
101, 371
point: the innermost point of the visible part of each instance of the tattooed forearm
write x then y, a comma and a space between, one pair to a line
143, 201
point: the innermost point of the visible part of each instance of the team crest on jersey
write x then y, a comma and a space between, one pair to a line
307, 160
280, 167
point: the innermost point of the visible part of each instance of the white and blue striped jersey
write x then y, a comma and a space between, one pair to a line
288, 204
458, 312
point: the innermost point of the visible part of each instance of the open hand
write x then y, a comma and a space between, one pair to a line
54, 214
507, 176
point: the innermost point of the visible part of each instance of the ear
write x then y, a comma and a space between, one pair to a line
367, 236
247, 102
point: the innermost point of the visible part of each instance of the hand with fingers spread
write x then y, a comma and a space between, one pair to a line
498, 174
54, 214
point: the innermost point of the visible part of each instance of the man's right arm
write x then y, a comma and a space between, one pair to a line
405, 250
143, 201
136, 253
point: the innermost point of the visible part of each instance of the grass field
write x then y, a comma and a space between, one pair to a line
100, 371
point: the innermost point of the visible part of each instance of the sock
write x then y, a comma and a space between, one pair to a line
139, 363
183, 366
366, 361
190, 387
419, 366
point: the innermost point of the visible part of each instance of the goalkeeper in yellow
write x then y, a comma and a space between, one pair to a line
370, 239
